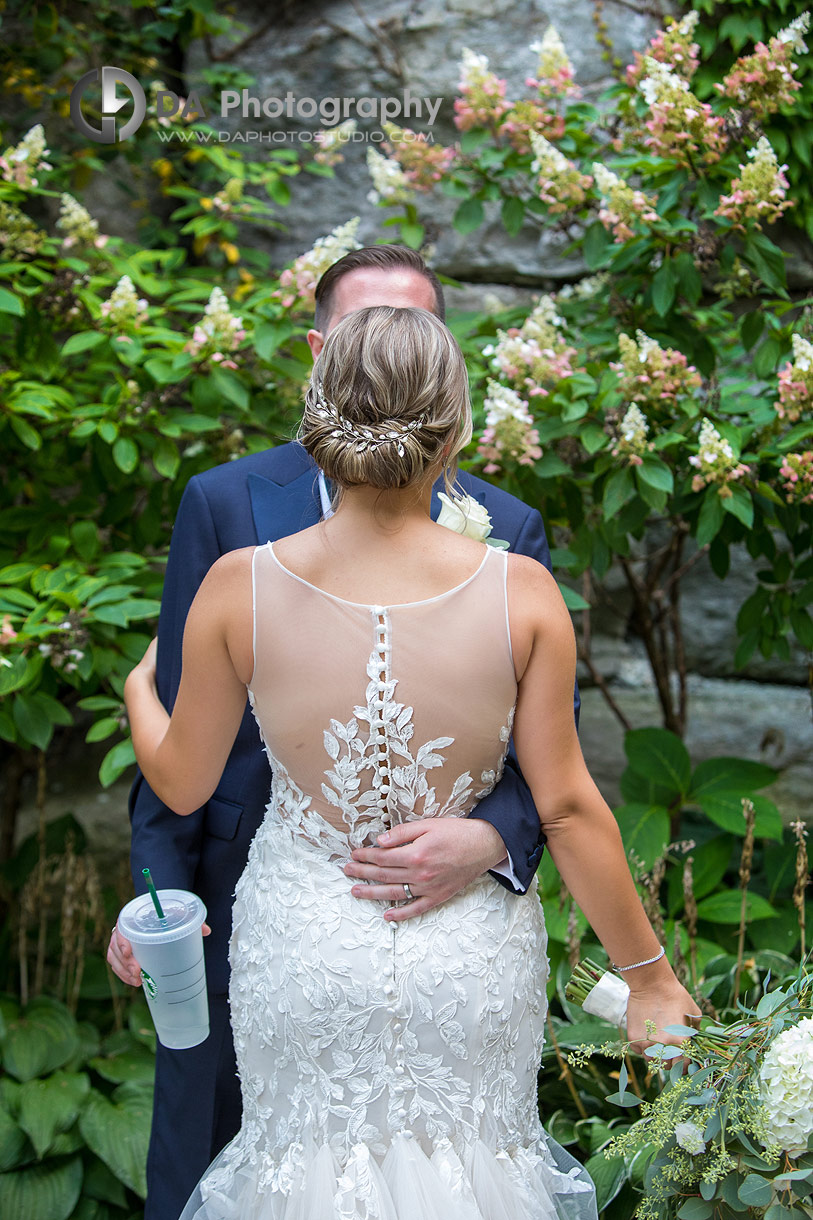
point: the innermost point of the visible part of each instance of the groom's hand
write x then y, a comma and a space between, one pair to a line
436, 857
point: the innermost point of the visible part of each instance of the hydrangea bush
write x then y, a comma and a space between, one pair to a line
673, 390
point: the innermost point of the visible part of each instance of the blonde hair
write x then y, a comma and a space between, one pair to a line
389, 393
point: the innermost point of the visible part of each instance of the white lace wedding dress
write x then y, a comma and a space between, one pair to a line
388, 1070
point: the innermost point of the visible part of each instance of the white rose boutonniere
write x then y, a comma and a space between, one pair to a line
467, 516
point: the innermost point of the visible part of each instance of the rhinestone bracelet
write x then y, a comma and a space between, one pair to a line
635, 965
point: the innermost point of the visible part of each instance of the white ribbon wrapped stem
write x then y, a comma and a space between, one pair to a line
608, 999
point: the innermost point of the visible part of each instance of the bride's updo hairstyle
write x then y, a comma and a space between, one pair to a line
388, 399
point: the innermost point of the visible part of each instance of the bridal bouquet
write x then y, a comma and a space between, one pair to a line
730, 1133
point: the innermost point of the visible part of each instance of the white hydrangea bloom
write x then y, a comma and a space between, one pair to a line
646, 346
659, 81
686, 26
390, 183
543, 314
76, 222
124, 304
690, 1138
218, 321
634, 429
552, 54
549, 159
802, 353
473, 69
786, 1087
713, 449
794, 32
502, 403
606, 180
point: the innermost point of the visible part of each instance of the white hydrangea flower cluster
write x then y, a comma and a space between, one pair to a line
331, 141
542, 318
20, 163
218, 333
715, 461
125, 307
633, 430
79, 227
298, 283
390, 183
474, 70
502, 403
659, 82
793, 33
554, 61
802, 352
786, 1087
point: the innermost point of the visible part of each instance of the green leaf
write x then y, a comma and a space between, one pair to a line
50, 1106
125, 454
729, 774
82, 342
739, 504
618, 489
229, 386
595, 246
644, 829
751, 328
13, 675
44, 1037
711, 517
658, 755
11, 303
756, 1191
118, 1131
573, 600
513, 214
166, 458
726, 907
725, 809
663, 288
134, 1064
766, 357
26, 432
469, 216
32, 720
412, 235
657, 474
12, 1142
85, 538
115, 762
696, 1209
41, 1192
609, 1175
102, 729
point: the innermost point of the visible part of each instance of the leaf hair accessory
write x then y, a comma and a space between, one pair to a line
365, 436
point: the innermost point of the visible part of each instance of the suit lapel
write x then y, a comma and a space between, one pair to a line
282, 510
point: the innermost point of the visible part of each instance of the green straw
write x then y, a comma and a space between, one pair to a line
153, 893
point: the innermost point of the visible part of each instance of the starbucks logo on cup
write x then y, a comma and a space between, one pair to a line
149, 985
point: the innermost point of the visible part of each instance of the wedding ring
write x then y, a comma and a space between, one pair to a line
408, 892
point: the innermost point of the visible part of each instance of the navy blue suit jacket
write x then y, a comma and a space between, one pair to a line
256, 498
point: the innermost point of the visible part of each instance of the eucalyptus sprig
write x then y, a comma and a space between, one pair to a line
734, 1130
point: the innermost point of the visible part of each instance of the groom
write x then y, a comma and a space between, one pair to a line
260, 497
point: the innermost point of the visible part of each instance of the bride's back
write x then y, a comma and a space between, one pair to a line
374, 714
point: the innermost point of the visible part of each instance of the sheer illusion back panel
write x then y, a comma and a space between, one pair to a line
429, 686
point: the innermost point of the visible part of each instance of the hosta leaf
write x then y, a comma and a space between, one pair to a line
41, 1039
118, 1132
41, 1192
50, 1106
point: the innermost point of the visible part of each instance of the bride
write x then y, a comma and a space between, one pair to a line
389, 1069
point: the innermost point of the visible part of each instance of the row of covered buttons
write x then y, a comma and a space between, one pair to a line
399, 1069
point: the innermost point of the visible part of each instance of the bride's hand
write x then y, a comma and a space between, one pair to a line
667, 1004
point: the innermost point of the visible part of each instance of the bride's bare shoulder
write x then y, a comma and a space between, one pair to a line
536, 606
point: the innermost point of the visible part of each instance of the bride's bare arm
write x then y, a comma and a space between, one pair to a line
183, 757
583, 836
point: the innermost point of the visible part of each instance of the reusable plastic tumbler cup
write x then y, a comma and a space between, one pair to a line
173, 972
